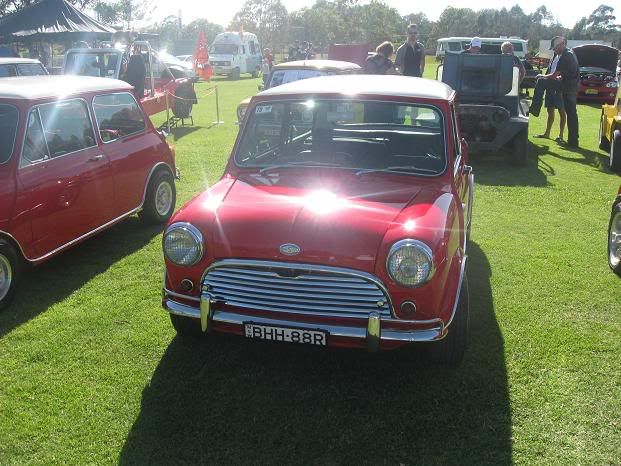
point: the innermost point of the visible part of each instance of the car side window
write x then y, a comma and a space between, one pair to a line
7, 71
66, 127
117, 115
35, 147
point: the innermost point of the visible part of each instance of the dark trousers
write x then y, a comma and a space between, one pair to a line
541, 86
572, 118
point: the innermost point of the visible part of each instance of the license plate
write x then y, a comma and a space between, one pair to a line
285, 334
591, 91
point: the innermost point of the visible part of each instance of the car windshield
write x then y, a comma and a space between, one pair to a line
223, 49
8, 129
99, 64
30, 69
358, 135
286, 76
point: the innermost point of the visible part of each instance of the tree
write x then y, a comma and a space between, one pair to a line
211, 30
135, 10
267, 18
108, 13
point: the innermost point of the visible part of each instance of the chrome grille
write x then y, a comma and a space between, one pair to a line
296, 288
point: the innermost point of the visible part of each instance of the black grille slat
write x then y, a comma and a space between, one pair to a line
283, 289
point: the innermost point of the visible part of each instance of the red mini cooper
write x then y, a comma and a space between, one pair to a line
342, 220
76, 156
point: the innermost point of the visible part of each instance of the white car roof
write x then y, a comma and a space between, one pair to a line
317, 65
39, 87
14, 61
375, 85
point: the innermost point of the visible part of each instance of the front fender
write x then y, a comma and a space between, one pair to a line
438, 221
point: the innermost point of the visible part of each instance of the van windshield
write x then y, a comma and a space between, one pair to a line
224, 49
8, 129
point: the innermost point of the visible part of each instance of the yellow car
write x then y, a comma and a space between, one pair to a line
610, 132
294, 71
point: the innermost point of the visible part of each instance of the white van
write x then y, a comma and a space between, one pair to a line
488, 45
233, 53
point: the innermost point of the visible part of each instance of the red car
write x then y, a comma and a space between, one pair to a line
77, 155
341, 220
598, 80
614, 236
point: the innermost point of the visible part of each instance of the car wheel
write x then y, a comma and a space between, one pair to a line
615, 151
186, 327
519, 153
9, 273
185, 98
604, 143
159, 202
614, 240
450, 350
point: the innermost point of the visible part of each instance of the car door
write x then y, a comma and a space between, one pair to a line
65, 183
462, 172
132, 148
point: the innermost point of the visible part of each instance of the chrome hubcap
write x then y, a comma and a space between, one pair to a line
614, 240
163, 198
6, 275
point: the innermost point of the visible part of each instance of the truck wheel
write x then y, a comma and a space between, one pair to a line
450, 350
604, 143
9, 273
159, 203
185, 98
186, 327
235, 74
615, 151
614, 240
519, 152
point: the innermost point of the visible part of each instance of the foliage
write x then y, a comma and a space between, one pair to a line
267, 18
108, 13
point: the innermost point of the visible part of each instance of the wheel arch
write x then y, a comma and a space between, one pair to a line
10, 239
158, 167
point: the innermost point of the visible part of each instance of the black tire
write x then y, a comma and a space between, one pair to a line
185, 98
450, 350
187, 327
159, 203
615, 151
519, 149
235, 74
614, 262
604, 143
10, 271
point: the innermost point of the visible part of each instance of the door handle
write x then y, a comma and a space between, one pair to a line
96, 158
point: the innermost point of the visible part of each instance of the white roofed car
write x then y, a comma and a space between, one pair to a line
300, 69
21, 67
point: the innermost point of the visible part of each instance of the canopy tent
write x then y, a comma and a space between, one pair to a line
51, 20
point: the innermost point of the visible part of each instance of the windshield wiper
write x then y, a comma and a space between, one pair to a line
395, 169
301, 163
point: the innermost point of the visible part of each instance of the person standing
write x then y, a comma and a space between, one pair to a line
553, 101
380, 63
567, 71
410, 59
507, 49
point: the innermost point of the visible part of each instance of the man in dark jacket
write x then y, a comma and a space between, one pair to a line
410, 59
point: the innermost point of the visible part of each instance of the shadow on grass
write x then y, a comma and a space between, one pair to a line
595, 159
232, 401
497, 169
182, 131
56, 279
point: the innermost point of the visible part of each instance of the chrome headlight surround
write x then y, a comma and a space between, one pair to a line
410, 253
612, 84
183, 244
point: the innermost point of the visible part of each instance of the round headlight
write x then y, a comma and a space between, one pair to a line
612, 84
183, 244
410, 262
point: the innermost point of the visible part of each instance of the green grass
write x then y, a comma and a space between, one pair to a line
91, 371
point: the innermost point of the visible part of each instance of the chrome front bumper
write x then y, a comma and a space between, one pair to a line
373, 334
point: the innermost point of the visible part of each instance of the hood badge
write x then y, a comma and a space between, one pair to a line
290, 249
